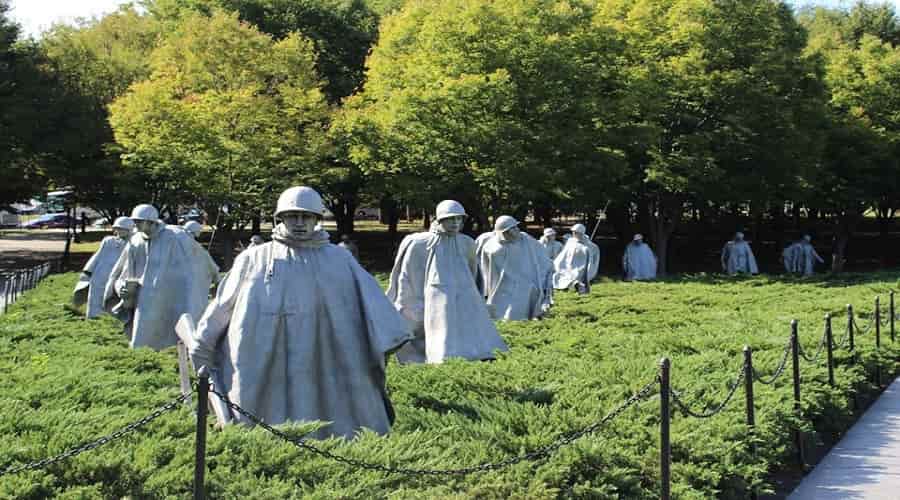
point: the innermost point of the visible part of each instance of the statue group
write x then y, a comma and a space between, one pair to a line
299, 331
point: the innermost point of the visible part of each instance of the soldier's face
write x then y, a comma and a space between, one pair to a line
146, 227
300, 224
452, 224
122, 233
511, 234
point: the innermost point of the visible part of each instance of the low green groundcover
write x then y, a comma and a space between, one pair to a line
64, 381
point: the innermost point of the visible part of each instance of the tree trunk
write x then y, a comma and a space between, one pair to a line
426, 220
617, 216
663, 215
390, 215
884, 215
344, 210
256, 224
845, 226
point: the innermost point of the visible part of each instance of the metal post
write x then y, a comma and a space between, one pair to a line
665, 446
200, 455
748, 390
850, 325
877, 340
893, 315
829, 349
795, 356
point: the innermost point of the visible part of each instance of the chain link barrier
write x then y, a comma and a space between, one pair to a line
645, 392
845, 339
778, 371
676, 397
868, 327
819, 350
124, 431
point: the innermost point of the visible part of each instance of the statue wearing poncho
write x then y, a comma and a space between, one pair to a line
515, 271
299, 331
552, 247
801, 257
161, 274
578, 263
433, 286
96, 272
737, 257
639, 261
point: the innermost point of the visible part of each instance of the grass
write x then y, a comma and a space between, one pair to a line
64, 381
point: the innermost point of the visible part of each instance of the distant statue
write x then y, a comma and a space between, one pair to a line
193, 228
433, 285
801, 257
737, 256
516, 273
299, 331
348, 245
161, 274
94, 276
639, 261
578, 263
256, 240
551, 245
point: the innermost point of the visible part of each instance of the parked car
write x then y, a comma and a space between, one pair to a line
101, 222
47, 221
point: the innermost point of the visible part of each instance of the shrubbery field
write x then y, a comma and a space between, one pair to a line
64, 381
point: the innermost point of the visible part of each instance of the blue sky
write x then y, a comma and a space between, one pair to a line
36, 16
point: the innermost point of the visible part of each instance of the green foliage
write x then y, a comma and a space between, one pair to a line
64, 381
210, 125
478, 99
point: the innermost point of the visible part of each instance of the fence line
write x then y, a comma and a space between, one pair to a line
663, 381
19, 281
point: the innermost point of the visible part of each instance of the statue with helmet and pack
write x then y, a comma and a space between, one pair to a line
161, 273
737, 256
551, 245
193, 228
433, 285
578, 263
298, 331
515, 272
95, 274
639, 261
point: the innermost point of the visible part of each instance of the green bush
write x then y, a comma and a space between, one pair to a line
64, 381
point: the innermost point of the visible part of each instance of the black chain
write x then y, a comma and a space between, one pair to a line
868, 327
536, 454
778, 371
676, 397
40, 464
819, 350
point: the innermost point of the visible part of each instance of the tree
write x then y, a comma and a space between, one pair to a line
24, 91
95, 62
227, 114
722, 89
860, 170
495, 104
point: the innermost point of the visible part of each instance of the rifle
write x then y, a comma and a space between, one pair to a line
597, 225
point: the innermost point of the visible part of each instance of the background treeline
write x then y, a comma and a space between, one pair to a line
687, 117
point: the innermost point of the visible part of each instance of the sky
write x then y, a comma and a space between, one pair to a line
36, 16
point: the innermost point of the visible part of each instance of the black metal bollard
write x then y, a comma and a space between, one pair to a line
850, 325
748, 391
665, 445
829, 349
893, 315
200, 454
795, 356
877, 340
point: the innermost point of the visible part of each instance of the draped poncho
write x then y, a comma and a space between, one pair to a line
433, 285
737, 257
99, 268
577, 264
174, 274
298, 331
517, 276
639, 262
